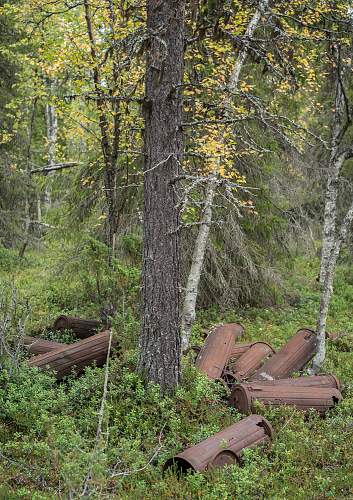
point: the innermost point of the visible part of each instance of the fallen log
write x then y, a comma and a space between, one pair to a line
64, 359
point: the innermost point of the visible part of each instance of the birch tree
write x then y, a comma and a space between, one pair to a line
191, 291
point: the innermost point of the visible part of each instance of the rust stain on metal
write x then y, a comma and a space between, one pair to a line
292, 357
78, 355
40, 346
321, 399
82, 328
216, 351
225, 447
252, 359
312, 381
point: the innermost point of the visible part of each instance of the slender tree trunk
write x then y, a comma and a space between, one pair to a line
334, 168
109, 147
160, 337
52, 137
192, 286
328, 290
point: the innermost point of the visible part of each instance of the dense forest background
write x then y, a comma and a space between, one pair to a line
265, 165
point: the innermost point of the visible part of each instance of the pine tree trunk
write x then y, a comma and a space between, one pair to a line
192, 286
160, 336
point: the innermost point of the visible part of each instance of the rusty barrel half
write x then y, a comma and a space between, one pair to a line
215, 353
243, 397
311, 381
293, 356
225, 447
40, 346
78, 355
252, 359
82, 328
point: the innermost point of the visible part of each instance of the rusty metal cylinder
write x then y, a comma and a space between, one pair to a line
252, 359
312, 381
75, 356
82, 328
321, 399
292, 357
225, 447
40, 346
215, 353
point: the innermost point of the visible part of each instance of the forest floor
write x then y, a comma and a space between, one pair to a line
48, 430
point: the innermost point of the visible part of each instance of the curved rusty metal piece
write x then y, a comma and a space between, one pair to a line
310, 381
218, 346
78, 355
292, 357
40, 346
321, 399
225, 447
82, 328
251, 360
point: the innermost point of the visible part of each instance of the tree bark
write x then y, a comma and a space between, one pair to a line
160, 337
109, 147
52, 137
192, 286
328, 290
334, 168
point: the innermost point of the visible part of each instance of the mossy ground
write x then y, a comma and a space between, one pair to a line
47, 430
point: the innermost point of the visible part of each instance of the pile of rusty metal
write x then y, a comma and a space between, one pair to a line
62, 358
254, 373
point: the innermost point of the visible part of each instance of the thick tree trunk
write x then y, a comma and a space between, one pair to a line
160, 336
328, 290
192, 286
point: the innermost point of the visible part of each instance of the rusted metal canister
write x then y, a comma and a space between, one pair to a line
243, 397
312, 381
251, 360
215, 353
292, 357
82, 328
78, 355
39, 346
225, 447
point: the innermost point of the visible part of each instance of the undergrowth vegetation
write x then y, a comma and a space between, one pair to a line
48, 430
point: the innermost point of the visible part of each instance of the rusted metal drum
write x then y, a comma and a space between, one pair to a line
82, 328
312, 381
39, 346
251, 360
225, 447
243, 397
239, 349
78, 355
292, 357
215, 353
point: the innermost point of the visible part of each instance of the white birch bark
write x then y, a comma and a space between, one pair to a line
334, 168
189, 306
328, 290
52, 135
